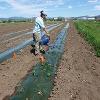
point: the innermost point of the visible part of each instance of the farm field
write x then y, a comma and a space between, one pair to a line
90, 30
6, 28
12, 71
78, 74
49, 50
15, 33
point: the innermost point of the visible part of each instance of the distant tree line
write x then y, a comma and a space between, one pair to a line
56, 19
21, 19
11, 20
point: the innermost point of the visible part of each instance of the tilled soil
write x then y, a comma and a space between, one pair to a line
12, 42
78, 76
6, 28
13, 70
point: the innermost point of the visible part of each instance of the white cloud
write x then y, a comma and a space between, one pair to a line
97, 7
54, 2
92, 1
69, 6
23, 9
34, 7
82, 5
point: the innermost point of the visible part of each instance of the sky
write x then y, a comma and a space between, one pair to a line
53, 8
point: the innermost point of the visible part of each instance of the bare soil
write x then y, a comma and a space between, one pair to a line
6, 28
13, 70
78, 76
8, 41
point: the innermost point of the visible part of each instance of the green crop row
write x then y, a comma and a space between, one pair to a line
90, 30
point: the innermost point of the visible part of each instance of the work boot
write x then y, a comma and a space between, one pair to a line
36, 53
42, 51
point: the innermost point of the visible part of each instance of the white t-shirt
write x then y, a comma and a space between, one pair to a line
39, 24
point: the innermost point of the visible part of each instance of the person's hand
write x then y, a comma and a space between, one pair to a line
48, 35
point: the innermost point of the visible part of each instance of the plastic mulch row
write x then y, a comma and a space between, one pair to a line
39, 83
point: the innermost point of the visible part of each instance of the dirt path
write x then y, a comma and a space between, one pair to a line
12, 71
78, 76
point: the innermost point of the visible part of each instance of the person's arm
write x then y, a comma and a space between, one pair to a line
44, 29
41, 23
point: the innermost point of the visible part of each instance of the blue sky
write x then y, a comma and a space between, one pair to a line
53, 8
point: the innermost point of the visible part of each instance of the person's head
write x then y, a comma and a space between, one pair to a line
42, 14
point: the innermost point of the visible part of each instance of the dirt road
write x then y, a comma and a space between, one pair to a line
78, 76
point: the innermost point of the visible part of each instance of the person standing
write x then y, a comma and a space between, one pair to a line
38, 33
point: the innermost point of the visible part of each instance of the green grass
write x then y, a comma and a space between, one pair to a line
91, 32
